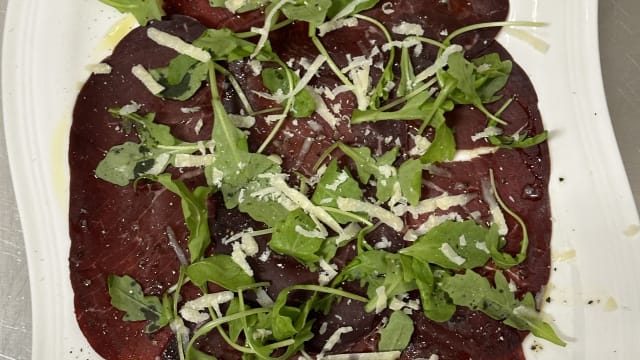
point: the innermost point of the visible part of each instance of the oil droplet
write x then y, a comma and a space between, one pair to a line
565, 255
531, 192
611, 304
58, 158
115, 34
632, 230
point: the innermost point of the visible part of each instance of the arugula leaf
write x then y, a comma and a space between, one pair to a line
475, 292
129, 161
219, 269
410, 179
407, 74
311, 11
149, 132
469, 241
225, 45
396, 335
143, 10
151, 156
196, 214
335, 184
492, 75
287, 238
339, 5
181, 78
277, 81
436, 304
377, 269
442, 148
247, 5
518, 141
126, 295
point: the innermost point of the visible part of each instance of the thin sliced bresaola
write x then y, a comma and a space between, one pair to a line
122, 230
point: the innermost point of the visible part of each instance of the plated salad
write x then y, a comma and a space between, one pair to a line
315, 179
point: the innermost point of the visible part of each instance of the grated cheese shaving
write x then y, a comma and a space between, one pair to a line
180, 46
147, 79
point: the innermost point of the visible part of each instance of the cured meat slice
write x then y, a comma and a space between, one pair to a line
123, 230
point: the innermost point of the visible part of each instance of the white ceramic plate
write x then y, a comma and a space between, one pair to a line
594, 290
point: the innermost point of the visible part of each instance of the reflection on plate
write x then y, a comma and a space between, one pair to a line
593, 297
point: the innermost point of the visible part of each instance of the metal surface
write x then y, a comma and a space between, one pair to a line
620, 55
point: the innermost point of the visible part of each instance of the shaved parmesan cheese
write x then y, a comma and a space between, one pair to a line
432, 221
384, 243
350, 232
330, 26
188, 160
240, 257
438, 64
441, 202
387, 171
342, 177
180, 46
381, 301
263, 298
249, 245
385, 216
482, 246
334, 339
487, 132
388, 355
407, 43
451, 254
329, 271
303, 202
234, 5
129, 109
100, 69
323, 110
256, 67
497, 215
242, 121
421, 146
216, 176
470, 154
147, 79
190, 110
191, 309
361, 84
406, 28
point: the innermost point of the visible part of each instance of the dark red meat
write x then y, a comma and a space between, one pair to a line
121, 230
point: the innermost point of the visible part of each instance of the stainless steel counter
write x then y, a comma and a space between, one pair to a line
620, 55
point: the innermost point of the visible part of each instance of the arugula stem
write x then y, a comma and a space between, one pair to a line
442, 96
427, 41
522, 255
326, 290
236, 87
347, 214
462, 30
277, 26
504, 107
214, 323
287, 107
323, 156
388, 69
220, 115
408, 97
176, 299
345, 80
